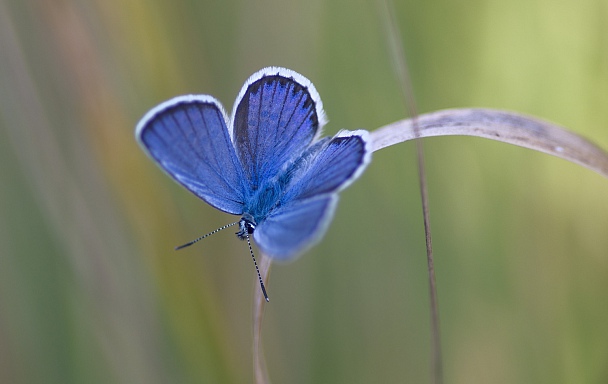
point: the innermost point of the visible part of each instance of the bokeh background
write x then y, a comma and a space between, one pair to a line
91, 290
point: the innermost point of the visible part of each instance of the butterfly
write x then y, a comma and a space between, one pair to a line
266, 163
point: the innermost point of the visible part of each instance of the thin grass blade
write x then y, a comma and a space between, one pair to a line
402, 72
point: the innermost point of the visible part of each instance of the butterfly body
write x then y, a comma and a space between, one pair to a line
266, 163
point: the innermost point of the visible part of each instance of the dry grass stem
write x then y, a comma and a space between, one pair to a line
259, 303
508, 127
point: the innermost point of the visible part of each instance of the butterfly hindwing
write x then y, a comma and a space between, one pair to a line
276, 117
333, 168
304, 212
291, 229
188, 138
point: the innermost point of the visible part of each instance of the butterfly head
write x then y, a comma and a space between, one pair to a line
246, 226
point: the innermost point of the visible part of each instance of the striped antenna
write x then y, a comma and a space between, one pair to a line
207, 235
257, 269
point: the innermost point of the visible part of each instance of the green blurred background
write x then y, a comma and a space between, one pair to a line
91, 290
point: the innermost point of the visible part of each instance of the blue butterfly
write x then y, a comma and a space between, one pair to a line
267, 163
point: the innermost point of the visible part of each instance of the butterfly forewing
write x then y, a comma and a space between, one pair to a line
275, 120
188, 138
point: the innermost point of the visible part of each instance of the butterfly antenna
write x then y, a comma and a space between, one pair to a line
207, 235
257, 269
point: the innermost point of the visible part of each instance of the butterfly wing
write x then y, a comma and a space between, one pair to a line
291, 229
307, 207
334, 167
277, 115
188, 138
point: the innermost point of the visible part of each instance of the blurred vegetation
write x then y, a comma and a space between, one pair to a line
92, 292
